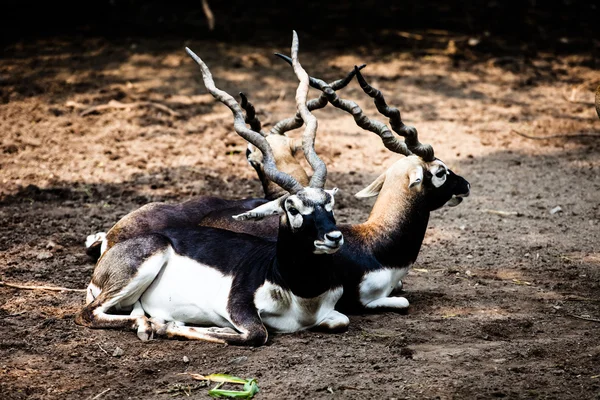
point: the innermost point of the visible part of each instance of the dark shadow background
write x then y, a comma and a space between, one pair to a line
525, 26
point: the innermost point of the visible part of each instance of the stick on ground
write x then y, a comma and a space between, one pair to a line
53, 288
574, 135
583, 318
119, 105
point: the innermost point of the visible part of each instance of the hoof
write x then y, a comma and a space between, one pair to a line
145, 331
402, 302
164, 329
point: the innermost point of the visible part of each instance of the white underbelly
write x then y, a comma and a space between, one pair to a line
189, 292
282, 311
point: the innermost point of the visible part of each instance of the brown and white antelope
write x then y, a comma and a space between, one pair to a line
379, 252
234, 286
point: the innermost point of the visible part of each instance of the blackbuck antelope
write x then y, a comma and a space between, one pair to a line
215, 211
239, 285
378, 252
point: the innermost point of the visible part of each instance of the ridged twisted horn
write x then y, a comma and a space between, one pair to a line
390, 140
296, 121
282, 179
409, 133
251, 118
308, 137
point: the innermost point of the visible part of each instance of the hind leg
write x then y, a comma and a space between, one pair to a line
248, 330
120, 278
95, 316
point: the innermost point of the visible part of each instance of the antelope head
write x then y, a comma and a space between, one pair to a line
306, 211
420, 172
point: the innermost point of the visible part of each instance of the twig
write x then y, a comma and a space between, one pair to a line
100, 394
117, 104
54, 288
573, 101
574, 91
210, 18
555, 136
502, 213
15, 315
105, 352
583, 318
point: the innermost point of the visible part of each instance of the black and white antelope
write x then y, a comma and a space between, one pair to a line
234, 286
378, 252
214, 211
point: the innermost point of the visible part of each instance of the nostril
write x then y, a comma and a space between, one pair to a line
335, 236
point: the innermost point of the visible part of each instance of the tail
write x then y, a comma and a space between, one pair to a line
95, 245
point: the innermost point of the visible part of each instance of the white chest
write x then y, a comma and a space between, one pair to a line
282, 311
189, 292
380, 283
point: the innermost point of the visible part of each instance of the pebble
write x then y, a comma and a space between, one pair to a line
118, 352
186, 359
44, 255
238, 360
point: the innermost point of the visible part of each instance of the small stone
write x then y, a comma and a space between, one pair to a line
556, 210
186, 359
118, 352
44, 255
469, 256
462, 227
238, 360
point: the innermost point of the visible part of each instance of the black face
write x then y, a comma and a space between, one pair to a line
451, 191
309, 214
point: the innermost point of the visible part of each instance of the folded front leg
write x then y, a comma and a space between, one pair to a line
334, 322
393, 303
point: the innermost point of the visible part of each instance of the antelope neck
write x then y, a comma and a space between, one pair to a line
396, 227
304, 273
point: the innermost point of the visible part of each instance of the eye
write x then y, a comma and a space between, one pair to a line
293, 211
441, 173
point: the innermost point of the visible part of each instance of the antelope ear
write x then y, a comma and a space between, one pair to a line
273, 207
416, 177
373, 189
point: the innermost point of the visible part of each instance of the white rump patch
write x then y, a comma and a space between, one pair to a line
92, 292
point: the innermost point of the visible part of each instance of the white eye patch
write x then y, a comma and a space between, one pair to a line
439, 173
295, 210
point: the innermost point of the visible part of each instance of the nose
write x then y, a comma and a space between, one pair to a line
334, 236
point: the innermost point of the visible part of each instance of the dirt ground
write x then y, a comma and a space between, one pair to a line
502, 286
